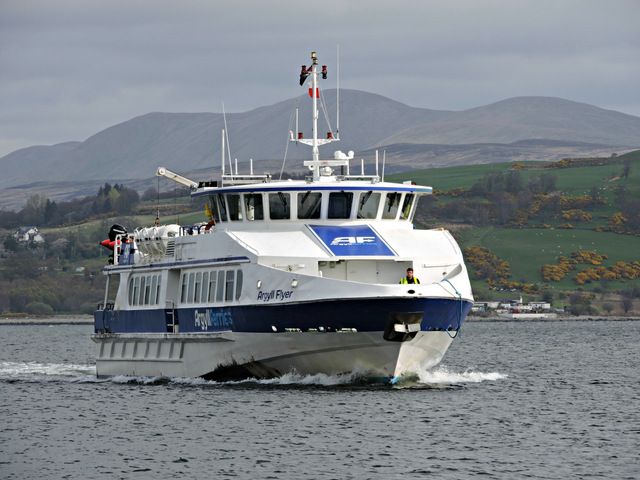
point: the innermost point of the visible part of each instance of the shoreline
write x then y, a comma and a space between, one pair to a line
88, 319
47, 320
568, 318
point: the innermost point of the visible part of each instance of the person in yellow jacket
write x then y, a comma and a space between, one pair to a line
409, 278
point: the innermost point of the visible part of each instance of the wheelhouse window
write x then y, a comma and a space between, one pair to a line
235, 211
340, 205
213, 207
253, 206
391, 206
309, 205
406, 206
368, 204
279, 206
222, 207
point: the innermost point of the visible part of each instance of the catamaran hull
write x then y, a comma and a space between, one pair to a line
230, 355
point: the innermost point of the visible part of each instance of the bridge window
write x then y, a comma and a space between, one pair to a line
279, 206
309, 205
340, 204
253, 206
368, 204
235, 211
391, 205
222, 207
406, 206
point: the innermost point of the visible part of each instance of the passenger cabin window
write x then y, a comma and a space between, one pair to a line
229, 285
211, 294
216, 286
340, 205
233, 202
392, 203
406, 206
238, 284
205, 287
279, 206
144, 290
253, 206
309, 205
220, 288
368, 204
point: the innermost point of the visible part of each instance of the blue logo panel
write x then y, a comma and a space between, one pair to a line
356, 240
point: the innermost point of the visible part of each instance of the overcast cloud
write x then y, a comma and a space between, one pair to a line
69, 69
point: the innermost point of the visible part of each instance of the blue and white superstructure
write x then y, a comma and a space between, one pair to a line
285, 276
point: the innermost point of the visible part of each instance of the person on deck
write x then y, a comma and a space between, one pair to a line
409, 278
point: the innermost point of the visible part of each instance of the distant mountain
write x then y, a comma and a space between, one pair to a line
186, 142
527, 118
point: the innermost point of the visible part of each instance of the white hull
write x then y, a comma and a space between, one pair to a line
229, 355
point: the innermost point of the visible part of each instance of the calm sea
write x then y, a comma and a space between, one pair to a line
511, 400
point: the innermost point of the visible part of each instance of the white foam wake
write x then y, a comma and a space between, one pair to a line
38, 371
442, 375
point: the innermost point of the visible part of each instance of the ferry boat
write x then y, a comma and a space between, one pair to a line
284, 276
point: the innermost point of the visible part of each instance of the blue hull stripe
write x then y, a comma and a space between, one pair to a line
365, 315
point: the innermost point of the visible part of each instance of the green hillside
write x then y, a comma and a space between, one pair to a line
539, 241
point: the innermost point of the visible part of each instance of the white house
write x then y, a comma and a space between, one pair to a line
28, 234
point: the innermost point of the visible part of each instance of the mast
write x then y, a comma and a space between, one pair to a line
317, 166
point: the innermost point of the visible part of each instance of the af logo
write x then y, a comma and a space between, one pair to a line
354, 241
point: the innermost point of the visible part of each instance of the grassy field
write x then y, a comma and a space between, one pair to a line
528, 249
573, 182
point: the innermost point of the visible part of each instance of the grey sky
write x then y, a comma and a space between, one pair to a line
69, 69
